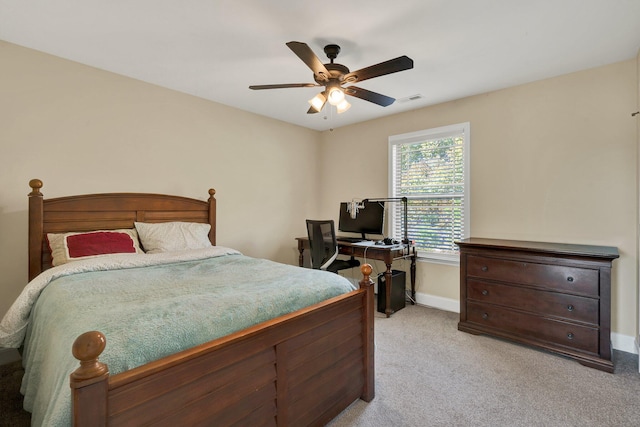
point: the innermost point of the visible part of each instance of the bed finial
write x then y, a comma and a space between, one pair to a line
212, 192
90, 382
35, 185
87, 348
366, 270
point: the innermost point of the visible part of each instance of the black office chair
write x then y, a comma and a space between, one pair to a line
324, 247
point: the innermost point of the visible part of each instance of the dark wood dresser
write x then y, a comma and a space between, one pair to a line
553, 296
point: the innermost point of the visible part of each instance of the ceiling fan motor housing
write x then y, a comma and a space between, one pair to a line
336, 72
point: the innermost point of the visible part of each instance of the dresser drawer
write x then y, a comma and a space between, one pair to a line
556, 296
530, 327
557, 277
566, 306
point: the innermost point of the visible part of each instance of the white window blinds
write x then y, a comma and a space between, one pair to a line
430, 168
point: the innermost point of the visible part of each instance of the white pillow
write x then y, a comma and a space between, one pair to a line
67, 247
173, 236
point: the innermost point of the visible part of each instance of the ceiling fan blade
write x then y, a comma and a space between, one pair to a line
282, 86
305, 53
370, 96
400, 63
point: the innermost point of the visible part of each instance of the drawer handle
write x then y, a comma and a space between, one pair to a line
569, 279
570, 307
485, 268
570, 335
485, 316
485, 292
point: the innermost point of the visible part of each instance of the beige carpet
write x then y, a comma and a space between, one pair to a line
430, 374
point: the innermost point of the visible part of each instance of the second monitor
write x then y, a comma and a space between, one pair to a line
369, 219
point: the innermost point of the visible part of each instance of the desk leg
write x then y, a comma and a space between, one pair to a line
301, 256
413, 278
388, 277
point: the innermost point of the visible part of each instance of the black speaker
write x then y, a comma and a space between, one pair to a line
397, 291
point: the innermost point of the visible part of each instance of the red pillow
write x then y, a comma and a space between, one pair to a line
99, 243
67, 247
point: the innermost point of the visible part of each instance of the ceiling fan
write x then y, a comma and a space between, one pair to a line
333, 75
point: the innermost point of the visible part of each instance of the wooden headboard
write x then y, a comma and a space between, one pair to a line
107, 211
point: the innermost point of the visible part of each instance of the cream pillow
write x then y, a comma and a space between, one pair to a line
67, 247
173, 236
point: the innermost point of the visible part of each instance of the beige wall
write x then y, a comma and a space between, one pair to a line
82, 130
553, 160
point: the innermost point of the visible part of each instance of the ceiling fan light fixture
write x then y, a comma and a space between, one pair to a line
343, 106
336, 96
317, 102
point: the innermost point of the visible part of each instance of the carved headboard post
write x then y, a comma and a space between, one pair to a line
35, 228
212, 215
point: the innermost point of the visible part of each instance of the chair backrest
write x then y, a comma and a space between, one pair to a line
322, 242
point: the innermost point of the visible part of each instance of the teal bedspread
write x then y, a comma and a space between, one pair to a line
154, 311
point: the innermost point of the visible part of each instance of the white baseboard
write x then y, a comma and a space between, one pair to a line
446, 304
624, 343
619, 342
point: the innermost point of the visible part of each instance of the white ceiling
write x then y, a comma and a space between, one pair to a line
215, 49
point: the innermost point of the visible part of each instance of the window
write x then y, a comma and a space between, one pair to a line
431, 169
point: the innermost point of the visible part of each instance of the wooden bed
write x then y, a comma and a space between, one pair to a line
299, 369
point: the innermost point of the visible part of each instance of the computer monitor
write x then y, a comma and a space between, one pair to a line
369, 220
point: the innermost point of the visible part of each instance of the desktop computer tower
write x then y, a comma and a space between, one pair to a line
397, 291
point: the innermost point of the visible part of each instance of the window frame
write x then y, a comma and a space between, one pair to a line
431, 134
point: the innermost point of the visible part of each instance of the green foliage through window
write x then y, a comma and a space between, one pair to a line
429, 169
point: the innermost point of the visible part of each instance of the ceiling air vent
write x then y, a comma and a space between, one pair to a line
410, 98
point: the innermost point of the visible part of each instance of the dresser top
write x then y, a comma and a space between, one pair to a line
608, 252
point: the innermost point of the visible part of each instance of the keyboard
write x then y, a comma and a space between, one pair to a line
349, 239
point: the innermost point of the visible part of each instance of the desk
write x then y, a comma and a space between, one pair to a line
381, 253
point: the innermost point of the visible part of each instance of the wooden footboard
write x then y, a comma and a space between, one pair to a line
303, 368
